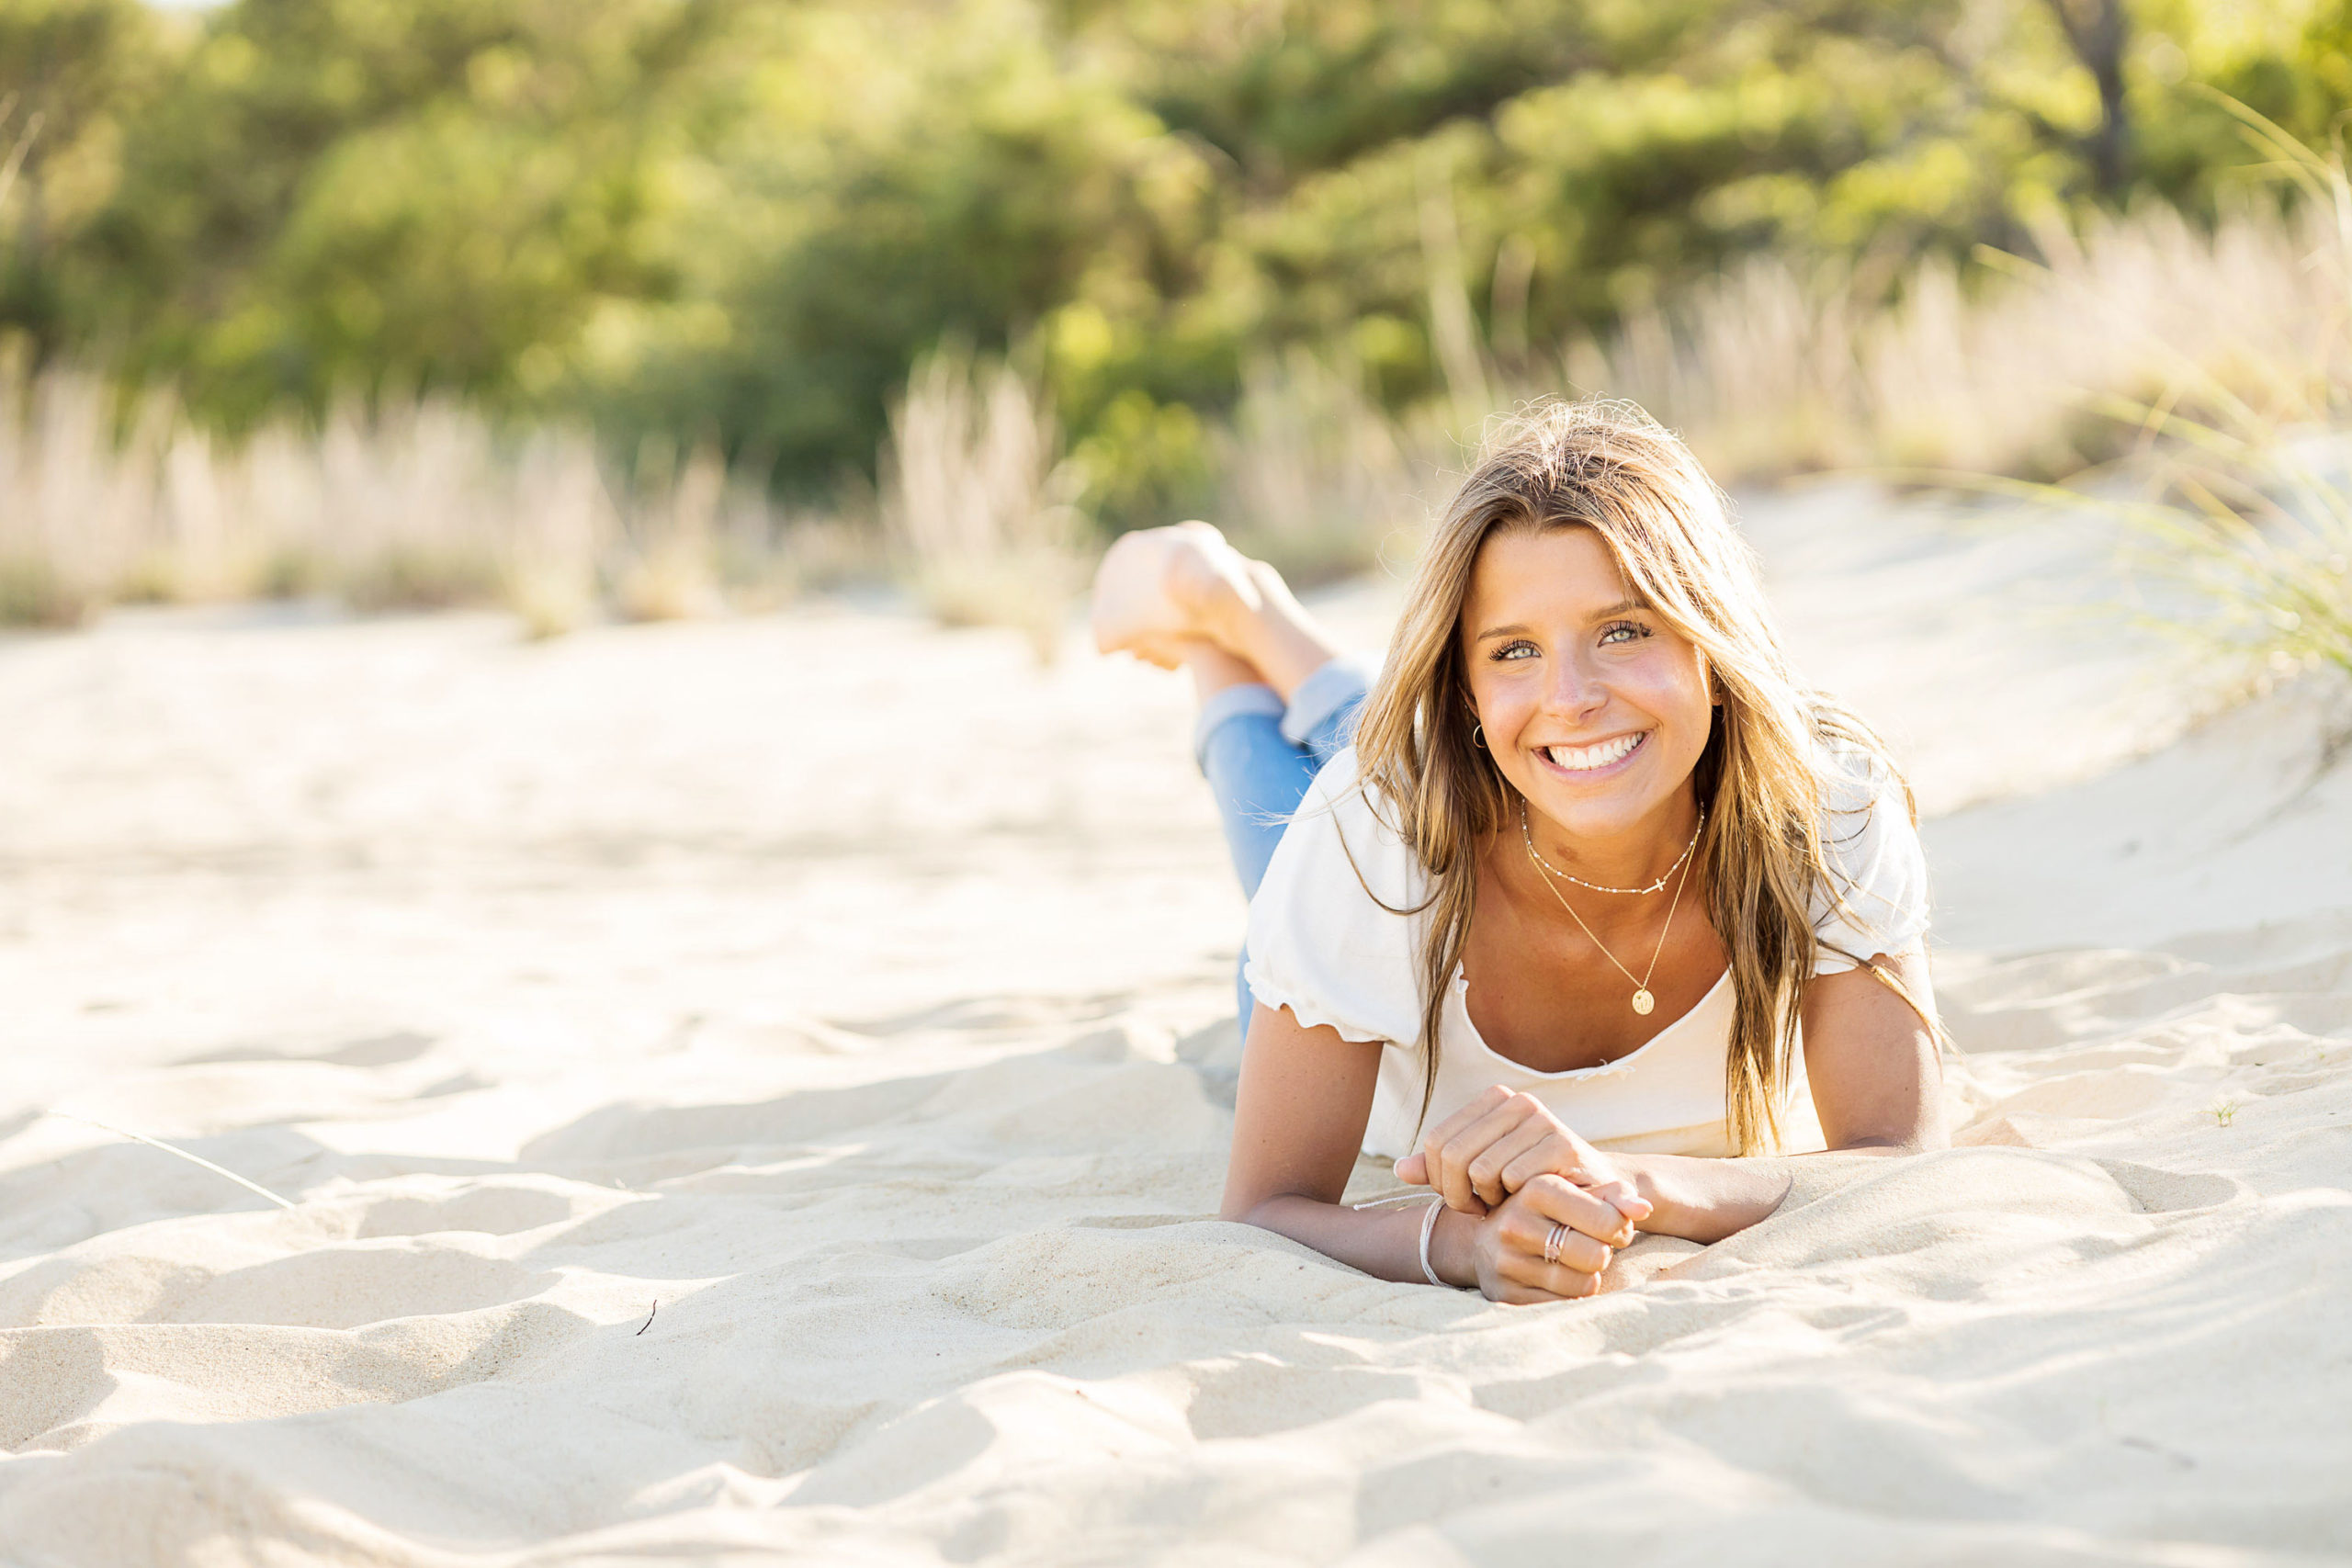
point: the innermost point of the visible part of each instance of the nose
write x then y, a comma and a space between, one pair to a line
1576, 691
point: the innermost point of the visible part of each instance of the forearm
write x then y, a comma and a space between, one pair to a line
1705, 1200
1383, 1242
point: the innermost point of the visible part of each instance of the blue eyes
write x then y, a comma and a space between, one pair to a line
1612, 635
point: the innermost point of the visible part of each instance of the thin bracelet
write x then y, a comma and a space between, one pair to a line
1429, 1225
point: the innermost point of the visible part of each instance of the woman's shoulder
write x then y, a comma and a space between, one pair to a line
1333, 927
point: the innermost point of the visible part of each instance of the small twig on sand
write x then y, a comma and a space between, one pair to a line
648, 1323
170, 1149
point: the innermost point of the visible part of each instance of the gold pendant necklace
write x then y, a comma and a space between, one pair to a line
1642, 1000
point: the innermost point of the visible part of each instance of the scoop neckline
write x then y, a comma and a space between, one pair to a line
1461, 993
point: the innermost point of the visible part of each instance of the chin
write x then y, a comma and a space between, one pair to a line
1591, 818
1600, 809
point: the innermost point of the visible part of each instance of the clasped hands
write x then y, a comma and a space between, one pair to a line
1505, 1161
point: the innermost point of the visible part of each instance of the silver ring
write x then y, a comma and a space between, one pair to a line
1551, 1243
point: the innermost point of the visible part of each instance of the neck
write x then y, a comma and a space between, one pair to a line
1634, 859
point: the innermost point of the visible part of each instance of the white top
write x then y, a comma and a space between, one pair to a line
1320, 946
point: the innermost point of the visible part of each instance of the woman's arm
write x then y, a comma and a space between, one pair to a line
1878, 1079
1299, 1117
1877, 1086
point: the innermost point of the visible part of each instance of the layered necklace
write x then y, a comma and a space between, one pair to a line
1642, 1000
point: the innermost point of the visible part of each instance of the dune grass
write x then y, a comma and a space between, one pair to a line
978, 500
416, 504
2196, 381
2231, 424
2253, 510
1314, 476
1775, 368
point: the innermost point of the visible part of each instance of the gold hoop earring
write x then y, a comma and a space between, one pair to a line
1478, 736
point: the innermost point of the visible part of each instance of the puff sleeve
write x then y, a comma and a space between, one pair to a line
1879, 897
1321, 944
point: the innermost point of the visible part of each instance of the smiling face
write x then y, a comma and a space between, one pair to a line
1594, 707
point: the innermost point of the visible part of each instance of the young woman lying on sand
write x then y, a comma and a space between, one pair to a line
1598, 896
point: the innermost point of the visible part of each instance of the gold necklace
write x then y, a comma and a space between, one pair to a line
1642, 1000
1529, 835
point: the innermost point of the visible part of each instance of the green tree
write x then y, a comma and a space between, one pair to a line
719, 217
71, 72
414, 192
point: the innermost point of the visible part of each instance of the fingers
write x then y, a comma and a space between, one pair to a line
1568, 1280
1503, 1291
1451, 1177
1548, 1198
1528, 1235
1517, 1145
1463, 1136
1565, 1155
1557, 1153
1513, 1294
1478, 1105
1621, 1195
1579, 1253
1429, 1159
1579, 1230
1501, 1143
1574, 1284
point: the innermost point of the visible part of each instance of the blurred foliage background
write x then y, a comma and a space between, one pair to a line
738, 227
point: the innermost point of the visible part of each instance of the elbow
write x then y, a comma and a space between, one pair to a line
1242, 1212
1907, 1142
1915, 1129
1252, 1210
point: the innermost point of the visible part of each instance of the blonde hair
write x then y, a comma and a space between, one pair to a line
1760, 861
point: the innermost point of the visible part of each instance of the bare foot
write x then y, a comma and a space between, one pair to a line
1158, 589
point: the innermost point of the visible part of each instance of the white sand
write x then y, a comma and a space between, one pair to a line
857, 993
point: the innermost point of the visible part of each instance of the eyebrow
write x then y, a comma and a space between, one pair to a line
1515, 629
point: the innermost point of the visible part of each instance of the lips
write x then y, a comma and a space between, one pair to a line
1593, 758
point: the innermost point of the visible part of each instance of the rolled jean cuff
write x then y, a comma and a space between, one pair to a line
1250, 701
1339, 685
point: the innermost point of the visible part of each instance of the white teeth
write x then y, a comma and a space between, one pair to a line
1584, 758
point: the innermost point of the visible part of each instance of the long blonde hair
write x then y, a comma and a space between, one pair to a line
1762, 862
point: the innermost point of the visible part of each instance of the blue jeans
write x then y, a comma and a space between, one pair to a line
1260, 754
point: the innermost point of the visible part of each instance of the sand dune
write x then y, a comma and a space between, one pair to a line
756, 1090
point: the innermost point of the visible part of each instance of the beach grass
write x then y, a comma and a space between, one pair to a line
1777, 367
980, 500
2191, 378
2230, 434
416, 504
